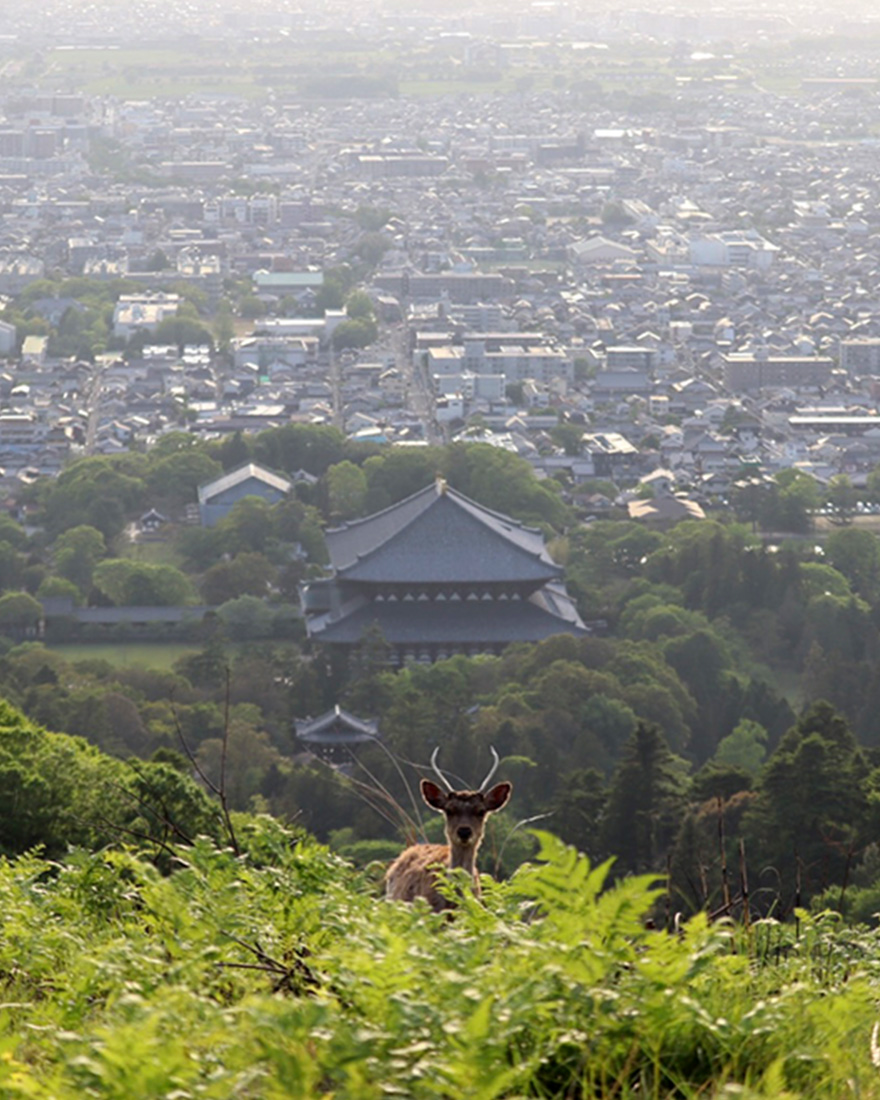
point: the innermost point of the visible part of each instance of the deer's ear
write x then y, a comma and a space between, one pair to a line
435, 796
496, 798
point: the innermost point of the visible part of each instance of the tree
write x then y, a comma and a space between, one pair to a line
248, 574
355, 333
168, 804
578, 808
12, 567
249, 756
359, 306
745, 747
346, 490
251, 307
158, 261
856, 554
224, 326
249, 525
99, 492
181, 330
811, 804
614, 215
59, 588
372, 247
140, 584
246, 617
818, 578
234, 451
842, 497
175, 478
12, 533
19, 611
372, 218
797, 499
504, 482
570, 437
645, 802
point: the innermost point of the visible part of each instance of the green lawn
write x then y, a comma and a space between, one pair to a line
145, 654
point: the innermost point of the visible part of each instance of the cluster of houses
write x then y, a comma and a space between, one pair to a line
689, 288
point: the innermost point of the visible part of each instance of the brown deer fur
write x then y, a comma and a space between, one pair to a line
414, 873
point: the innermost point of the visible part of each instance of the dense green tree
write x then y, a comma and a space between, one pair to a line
181, 330
141, 584
398, 473
248, 756
59, 587
818, 578
792, 507
99, 492
359, 306
577, 811
12, 533
346, 491
309, 447
19, 611
855, 553
810, 812
505, 482
12, 567
357, 332
247, 574
173, 480
842, 498
645, 802
744, 747
54, 790
246, 617
248, 527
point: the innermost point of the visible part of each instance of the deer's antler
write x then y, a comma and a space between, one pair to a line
492, 770
437, 772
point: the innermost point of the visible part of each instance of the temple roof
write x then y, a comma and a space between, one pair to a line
337, 726
439, 536
453, 622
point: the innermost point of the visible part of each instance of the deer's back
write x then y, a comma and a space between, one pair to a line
413, 874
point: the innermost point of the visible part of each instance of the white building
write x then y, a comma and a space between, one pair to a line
142, 312
732, 248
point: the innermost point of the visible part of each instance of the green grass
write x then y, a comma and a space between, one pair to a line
280, 973
145, 654
162, 552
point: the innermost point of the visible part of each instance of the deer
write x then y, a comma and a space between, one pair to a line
415, 872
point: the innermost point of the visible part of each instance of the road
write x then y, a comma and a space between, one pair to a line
419, 390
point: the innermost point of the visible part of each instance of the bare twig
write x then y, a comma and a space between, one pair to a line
386, 795
744, 884
293, 978
722, 851
138, 835
165, 818
220, 791
396, 762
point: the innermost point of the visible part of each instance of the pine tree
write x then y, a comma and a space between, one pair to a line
645, 802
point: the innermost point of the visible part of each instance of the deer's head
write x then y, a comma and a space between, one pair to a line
465, 811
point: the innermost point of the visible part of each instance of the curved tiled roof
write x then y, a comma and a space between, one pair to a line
440, 536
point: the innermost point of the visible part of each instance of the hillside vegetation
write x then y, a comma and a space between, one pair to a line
152, 961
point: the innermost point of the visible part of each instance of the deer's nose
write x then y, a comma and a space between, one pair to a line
464, 833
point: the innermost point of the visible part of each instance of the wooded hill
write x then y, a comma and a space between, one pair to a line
734, 688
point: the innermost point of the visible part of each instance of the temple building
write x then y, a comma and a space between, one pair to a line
438, 574
334, 735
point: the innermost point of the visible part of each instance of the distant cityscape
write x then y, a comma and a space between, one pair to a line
659, 228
